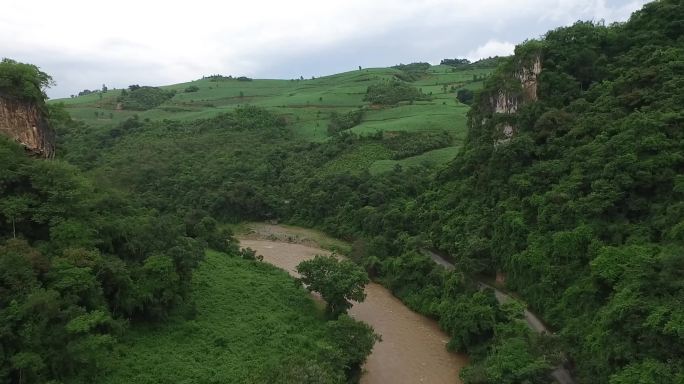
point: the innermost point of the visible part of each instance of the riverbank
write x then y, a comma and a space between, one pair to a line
413, 349
247, 321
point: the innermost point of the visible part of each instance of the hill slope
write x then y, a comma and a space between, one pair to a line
308, 105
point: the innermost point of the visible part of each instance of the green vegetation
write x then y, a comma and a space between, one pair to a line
454, 62
343, 122
338, 281
429, 159
25, 82
392, 92
249, 324
139, 98
580, 207
407, 144
78, 263
412, 72
85, 264
465, 96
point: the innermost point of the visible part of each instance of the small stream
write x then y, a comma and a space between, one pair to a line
413, 348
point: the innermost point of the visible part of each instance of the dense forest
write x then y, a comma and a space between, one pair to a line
82, 263
576, 198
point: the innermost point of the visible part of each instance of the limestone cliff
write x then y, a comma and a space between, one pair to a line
25, 123
510, 87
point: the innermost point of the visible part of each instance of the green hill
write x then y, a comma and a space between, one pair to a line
307, 105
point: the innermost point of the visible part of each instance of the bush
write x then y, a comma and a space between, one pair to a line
345, 121
390, 93
412, 72
407, 144
192, 88
455, 62
143, 98
465, 96
23, 81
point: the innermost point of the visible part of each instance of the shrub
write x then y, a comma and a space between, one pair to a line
390, 93
143, 98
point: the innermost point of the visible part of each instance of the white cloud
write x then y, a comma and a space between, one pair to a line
491, 48
84, 43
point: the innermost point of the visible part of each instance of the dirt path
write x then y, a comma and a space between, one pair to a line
413, 347
560, 374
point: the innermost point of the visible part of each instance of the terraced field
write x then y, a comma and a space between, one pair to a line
307, 106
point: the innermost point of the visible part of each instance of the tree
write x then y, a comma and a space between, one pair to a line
355, 340
465, 96
23, 81
338, 282
14, 208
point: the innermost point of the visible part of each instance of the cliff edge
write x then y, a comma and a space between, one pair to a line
25, 123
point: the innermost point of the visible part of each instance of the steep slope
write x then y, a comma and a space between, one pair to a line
24, 122
576, 195
23, 113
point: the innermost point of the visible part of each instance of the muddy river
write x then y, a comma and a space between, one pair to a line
413, 348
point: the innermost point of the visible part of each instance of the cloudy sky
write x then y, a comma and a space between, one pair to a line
84, 43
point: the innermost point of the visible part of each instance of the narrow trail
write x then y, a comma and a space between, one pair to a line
413, 347
560, 374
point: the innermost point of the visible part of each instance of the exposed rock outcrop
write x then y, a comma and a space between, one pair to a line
505, 102
25, 123
527, 74
518, 86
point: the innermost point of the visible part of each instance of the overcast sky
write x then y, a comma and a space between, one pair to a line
85, 43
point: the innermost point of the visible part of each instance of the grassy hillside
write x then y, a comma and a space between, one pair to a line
306, 105
250, 319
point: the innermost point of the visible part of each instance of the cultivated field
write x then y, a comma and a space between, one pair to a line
307, 106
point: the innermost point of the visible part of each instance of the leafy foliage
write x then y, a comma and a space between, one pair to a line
580, 210
139, 98
341, 122
412, 72
454, 62
392, 92
25, 82
338, 282
406, 144
465, 96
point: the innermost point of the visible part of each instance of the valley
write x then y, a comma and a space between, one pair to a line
412, 349
150, 233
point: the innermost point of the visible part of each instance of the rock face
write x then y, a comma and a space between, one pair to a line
26, 124
507, 101
528, 78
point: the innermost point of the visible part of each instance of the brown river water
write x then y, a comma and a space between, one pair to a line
413, 348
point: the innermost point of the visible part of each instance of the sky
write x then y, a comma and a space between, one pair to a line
83, 44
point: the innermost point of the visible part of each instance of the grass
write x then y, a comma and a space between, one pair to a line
250, 317
434, 157
358, 159
307, 104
